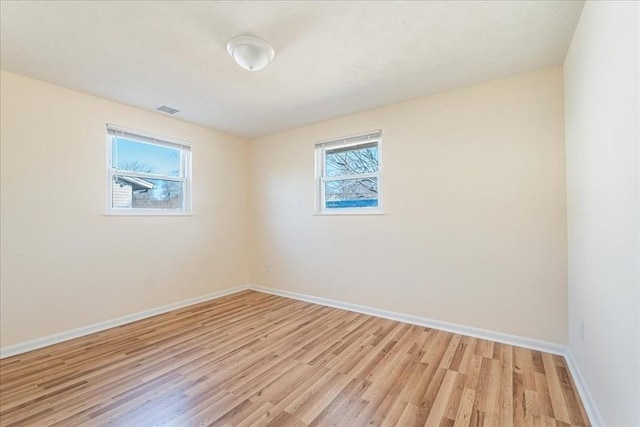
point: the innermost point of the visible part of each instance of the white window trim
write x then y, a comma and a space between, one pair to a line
149, 138
320, 156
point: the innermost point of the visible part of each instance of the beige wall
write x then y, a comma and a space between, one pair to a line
474, 230
601, 89
64, 264
475, 224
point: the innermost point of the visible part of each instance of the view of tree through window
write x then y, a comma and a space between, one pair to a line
356, 192
350, 173
146, 175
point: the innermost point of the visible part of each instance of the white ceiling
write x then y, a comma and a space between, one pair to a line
332, 58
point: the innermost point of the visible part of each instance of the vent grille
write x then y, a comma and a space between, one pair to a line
167, 110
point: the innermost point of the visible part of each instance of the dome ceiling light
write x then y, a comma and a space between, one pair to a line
250, 52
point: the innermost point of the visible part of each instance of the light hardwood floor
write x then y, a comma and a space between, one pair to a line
253, 359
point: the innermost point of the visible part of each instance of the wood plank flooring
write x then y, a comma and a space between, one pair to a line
253, 359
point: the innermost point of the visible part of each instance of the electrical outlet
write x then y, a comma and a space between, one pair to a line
267, 268
582, 329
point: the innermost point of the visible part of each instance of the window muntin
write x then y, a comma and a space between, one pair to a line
147, 174
348, 174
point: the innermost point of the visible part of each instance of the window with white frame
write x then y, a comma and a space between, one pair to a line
348, 174
147, 174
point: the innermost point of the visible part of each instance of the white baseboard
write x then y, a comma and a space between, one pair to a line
37, 343
587, 400
423, 321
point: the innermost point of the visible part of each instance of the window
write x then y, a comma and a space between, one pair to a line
147, 174
348, 175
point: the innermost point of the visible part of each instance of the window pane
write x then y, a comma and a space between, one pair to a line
351, 193
352, 161
136, 156
133, 192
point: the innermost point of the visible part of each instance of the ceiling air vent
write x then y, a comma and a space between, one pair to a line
167, 110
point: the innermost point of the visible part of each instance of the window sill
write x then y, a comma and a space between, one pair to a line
146, 213
349, 212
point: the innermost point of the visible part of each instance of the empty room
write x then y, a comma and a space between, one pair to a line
319, 213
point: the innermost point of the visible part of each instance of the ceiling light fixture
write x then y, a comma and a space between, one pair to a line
250, 52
